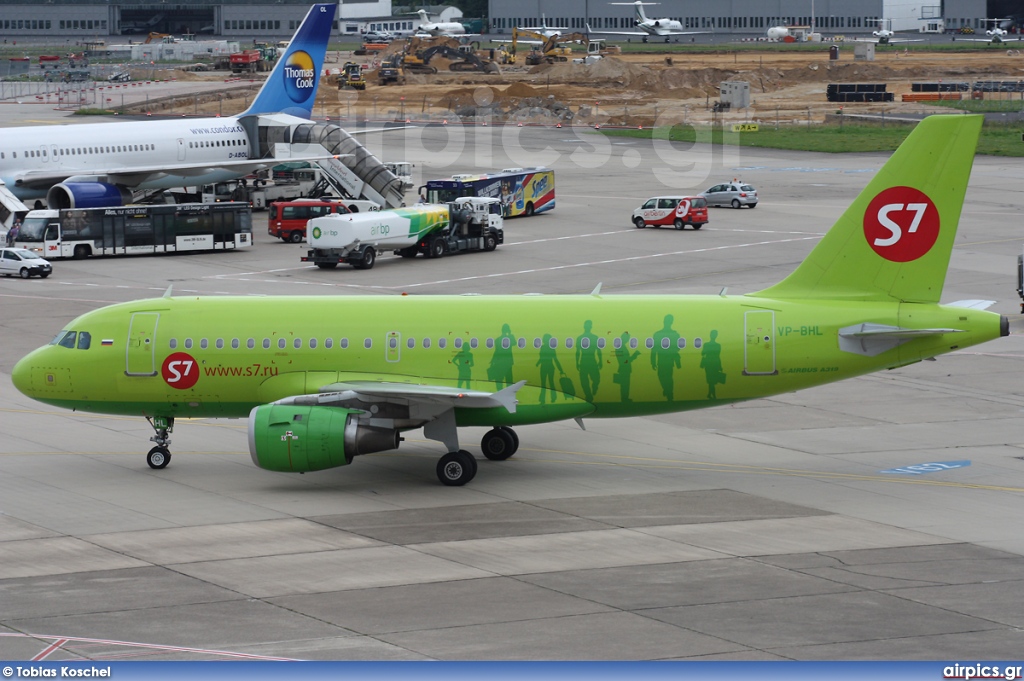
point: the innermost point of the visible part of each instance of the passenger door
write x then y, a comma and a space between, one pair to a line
140, 352
759, 348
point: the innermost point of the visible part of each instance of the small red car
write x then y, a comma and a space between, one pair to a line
677, 211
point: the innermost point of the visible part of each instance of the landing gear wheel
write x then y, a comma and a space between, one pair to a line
735, 203
158, 458
639, 223
679, 224
498, 444
455, 469
515, 438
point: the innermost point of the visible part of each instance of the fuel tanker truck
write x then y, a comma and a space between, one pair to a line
466, 224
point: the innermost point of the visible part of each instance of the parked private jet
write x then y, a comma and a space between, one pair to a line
659, 28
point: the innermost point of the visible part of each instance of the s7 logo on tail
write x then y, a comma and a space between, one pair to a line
901, 224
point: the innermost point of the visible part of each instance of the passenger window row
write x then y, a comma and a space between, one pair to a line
217, 143
426, 343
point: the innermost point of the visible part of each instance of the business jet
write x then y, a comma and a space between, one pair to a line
886, 36
544, 29
100, 164
448, 29
326, 379
659, 28
996, 35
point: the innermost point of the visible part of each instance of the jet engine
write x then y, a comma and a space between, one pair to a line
87, 195
299, 438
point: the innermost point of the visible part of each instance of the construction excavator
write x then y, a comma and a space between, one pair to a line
420, 51
545, 49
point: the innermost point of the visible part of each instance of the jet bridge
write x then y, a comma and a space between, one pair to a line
357, 174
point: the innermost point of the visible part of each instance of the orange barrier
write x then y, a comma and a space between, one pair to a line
931, 96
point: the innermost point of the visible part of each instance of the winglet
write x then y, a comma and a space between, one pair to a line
167, 293
597, 290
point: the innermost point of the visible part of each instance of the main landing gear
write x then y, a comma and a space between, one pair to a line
160, 456
456, 468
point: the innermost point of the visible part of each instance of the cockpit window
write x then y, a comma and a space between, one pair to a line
56, 339
84, 339
68, 341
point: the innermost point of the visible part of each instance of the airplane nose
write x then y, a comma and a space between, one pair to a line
21, 376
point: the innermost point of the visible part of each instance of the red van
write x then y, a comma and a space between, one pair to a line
677, 211
287, 220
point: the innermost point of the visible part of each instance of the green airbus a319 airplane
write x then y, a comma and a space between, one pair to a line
324, 379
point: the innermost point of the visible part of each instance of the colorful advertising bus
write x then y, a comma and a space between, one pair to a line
137, 230
522, 191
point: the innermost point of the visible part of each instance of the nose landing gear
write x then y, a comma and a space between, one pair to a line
160, 456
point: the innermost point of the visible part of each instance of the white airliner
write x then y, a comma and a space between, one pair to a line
451, 29
100, 164
659, 28
886, 36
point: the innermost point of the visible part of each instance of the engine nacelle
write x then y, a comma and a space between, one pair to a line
87, 195
299, 438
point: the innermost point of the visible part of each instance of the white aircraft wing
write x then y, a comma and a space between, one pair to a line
521, 42
138, 174
998, 40
890, 41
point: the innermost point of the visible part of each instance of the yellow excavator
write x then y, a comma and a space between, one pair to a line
545, 49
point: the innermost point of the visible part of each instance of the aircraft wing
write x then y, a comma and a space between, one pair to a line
373, 391
138, 174
890, 41
522, 42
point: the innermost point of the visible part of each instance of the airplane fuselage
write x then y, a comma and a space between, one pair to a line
223, 356
660, 27
83, 149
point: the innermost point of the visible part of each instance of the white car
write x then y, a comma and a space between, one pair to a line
24, 263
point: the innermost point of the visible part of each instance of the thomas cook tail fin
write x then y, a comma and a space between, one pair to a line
291, 86
895, 239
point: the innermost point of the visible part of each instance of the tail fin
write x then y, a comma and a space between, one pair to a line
291, 86
895, 239
641, 16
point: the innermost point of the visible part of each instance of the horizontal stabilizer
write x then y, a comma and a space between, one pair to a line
973, 304
873, 339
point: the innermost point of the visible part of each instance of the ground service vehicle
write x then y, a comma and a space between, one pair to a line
468, 224
391, 71
288, 219
522, 191
137, 230
24, 263
677, 211
735, 194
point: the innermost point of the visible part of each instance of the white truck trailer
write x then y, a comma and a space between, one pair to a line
467, 224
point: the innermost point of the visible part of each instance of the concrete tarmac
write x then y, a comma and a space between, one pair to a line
757, 531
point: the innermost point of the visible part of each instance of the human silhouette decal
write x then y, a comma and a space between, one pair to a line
665, 357
548, 362
711, 363
463, 360
624, 356
500, 369
588, 361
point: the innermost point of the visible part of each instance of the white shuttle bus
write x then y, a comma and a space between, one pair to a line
137, 230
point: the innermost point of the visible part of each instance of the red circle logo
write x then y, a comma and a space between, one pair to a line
901, 224
180, 370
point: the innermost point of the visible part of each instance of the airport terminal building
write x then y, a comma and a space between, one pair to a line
749, 17
84, 19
